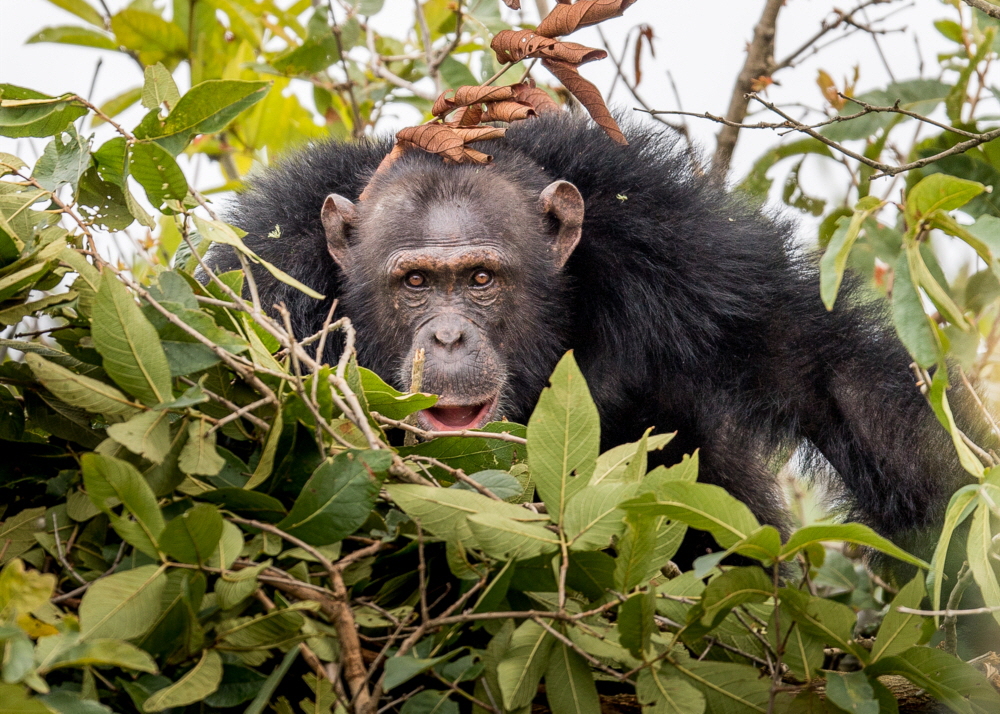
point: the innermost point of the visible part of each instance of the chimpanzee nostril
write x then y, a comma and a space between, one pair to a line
448, 336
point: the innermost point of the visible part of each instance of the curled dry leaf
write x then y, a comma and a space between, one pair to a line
508, 111
516, 45
513, 4
466, 96
468, 116
449, 142
589, 96
566, 18
540, 101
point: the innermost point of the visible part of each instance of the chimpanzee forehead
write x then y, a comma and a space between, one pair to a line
448, 214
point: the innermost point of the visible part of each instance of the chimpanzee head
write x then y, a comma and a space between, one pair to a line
466, 263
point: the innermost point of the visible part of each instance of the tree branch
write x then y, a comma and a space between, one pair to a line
984, 6
759, 63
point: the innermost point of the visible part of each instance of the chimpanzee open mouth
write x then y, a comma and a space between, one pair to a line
457, 417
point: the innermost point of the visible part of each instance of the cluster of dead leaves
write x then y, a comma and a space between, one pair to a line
472, 106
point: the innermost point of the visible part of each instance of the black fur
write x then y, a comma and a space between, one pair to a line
687, 309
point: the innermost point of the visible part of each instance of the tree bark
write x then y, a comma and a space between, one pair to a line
759, 63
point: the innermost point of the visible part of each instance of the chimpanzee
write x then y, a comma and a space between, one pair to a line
687, 308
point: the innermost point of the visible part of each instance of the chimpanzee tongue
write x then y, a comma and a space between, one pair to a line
464, 417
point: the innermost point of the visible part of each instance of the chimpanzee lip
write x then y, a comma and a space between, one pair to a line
456, 417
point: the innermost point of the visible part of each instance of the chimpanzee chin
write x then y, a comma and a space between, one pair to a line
688, 309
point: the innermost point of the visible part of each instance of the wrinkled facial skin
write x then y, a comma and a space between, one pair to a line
466, 266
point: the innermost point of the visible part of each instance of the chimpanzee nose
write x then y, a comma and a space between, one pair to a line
448, 335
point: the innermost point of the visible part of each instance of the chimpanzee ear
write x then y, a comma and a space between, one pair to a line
337, 214
563, 201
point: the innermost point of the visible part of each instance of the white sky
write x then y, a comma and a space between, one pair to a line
700, 43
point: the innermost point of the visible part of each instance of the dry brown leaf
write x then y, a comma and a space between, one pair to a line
470, 134
508, 111
566, 18
397, 151
540, 101
468, 116
513, 4
467, 95
516, 45
588, 95
645, 32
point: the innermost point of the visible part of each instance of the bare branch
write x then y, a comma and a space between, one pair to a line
984, 6
759, 63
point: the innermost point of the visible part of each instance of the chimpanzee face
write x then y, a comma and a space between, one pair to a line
464, 265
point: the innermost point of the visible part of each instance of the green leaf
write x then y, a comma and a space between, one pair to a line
699, 505
978, 552
82, 9
105, 653
158, 87
939, 192
17, 533
509, 539
13, 315
148, 34
64, 160
194, 535
80, 391
106, 478
399, 670
334, 502
234, 587
523, 664
564, 435
22, 591
25, 112
834, 261
847, 533
157, 172
636, 623
17, 701
266, 464
73, 35
199, 455
122, 606
958, 685
569, 685
219, 232
635, 550
732, 588
900, 630
443, 511
852, 692
803, 651
592, 517
912, 323
917, 95
249, 504
200, 681
938, 398
129, 344
206, 109
272, 682
664, 692
146, 434
388, 401
960, 507
500, 483
830, 621
612, 464
728, 688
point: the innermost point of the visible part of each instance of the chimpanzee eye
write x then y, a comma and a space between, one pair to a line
415, 279
482, 278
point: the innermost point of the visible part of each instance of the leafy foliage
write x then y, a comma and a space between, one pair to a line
198, 516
